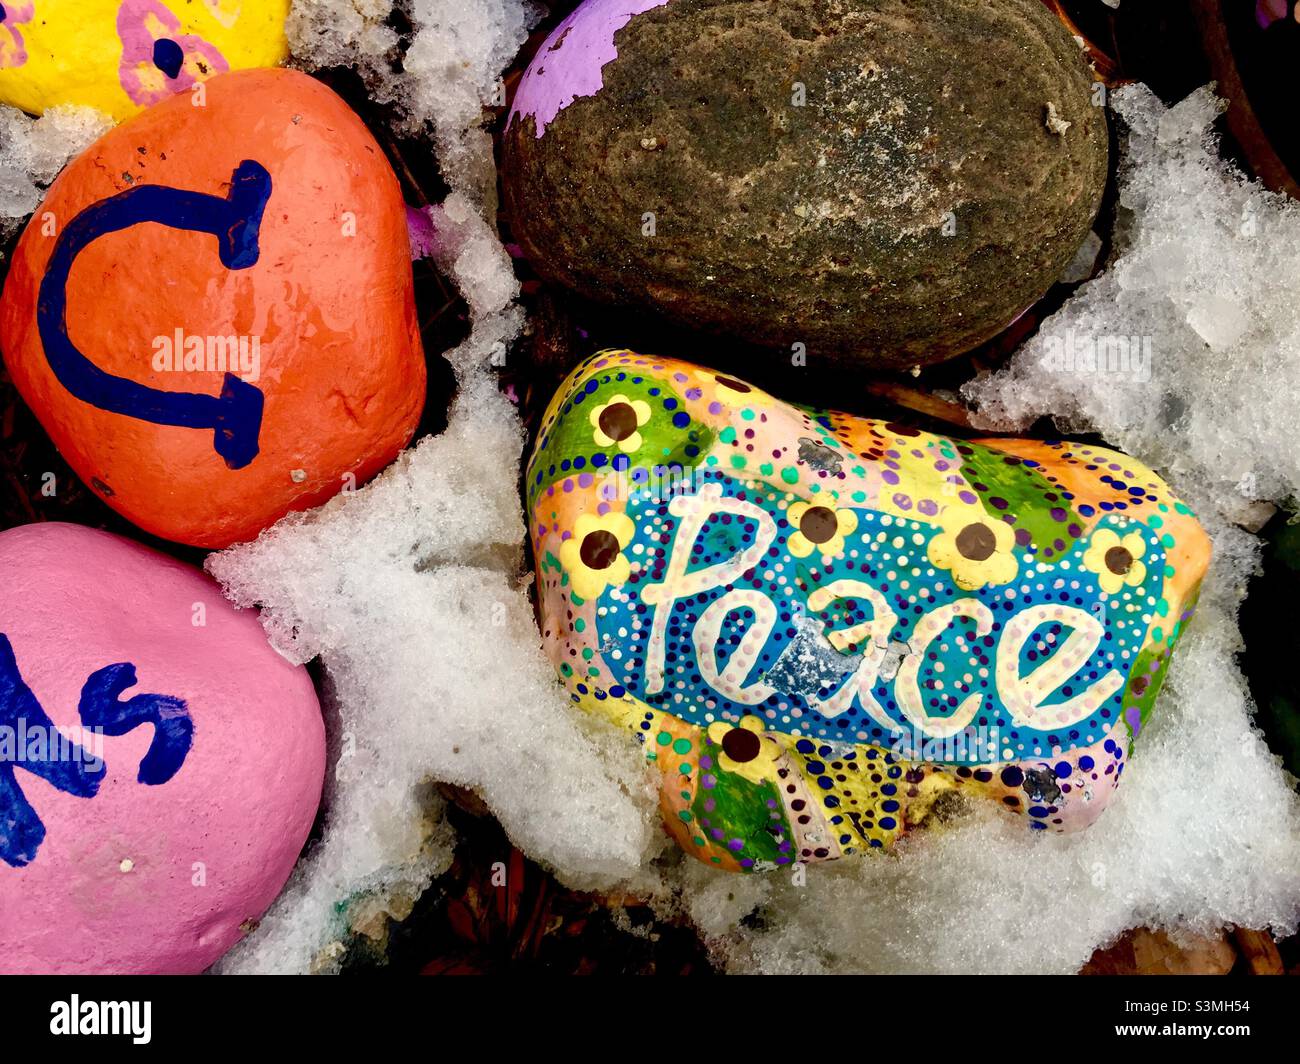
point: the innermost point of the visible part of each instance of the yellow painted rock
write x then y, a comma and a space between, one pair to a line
119, 56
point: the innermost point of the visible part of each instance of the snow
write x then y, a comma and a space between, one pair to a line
34, 150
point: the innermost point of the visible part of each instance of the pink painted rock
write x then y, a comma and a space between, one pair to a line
160, 763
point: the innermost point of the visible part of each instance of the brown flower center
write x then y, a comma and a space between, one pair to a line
599, 549
819, 524
741, 745
733, 384
618, 421
976, 542
1119, 560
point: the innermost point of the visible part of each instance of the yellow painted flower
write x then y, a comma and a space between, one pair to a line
819, 527
593, 556
619, 422
1115, 560
975, 548
746, 751
733, 391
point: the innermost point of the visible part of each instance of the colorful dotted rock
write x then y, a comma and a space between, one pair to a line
212, 313
160, 763
822, 627
121, 55
888, 182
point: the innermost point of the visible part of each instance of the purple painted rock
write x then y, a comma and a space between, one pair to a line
160, 763
891, 180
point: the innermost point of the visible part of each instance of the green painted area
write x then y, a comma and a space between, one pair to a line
573, 436
1029, 495
1146, 701
741, 812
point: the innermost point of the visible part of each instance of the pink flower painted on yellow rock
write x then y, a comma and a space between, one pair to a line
158, 60
13, 13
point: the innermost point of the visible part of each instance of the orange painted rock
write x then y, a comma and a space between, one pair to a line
212, 312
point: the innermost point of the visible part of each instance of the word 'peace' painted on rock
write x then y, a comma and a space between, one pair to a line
851, 651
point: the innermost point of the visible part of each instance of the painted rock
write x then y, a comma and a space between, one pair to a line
121, 55
212, 313
824, 628
892, 181
160, 763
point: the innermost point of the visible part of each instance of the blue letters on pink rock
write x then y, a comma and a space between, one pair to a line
66, 765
